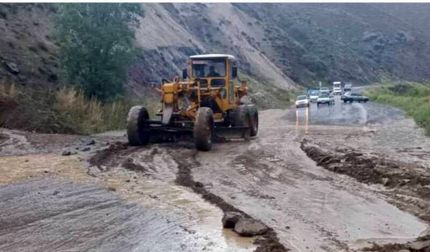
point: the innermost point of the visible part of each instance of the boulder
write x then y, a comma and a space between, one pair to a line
250, 227
12, 67
419, 245
230, 219
66, 153
86, 149
88, 141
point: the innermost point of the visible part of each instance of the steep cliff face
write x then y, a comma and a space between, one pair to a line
307, 42
351, 42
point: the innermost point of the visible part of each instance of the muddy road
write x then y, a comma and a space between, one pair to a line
294, 178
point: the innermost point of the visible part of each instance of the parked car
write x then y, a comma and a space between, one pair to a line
302, 101
354, 97
325, 98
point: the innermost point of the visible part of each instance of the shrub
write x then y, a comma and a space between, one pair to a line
97, 45
86, 116
414, 98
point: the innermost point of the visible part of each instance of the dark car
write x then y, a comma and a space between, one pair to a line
354, 97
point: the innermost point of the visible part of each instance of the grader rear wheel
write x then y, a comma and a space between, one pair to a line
203, 129
137, 129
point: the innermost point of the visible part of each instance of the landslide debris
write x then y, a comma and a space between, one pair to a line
409, 183
118, 153
422, 244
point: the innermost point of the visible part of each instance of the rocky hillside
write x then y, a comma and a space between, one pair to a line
278, 45
27, 49
307, 42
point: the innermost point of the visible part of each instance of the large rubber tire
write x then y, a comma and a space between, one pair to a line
203, 129
242, 119
253, 119
137, 128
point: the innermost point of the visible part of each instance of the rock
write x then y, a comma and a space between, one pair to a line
199, 184
93, 171
88, 141
12, 67
385, 181
66, 153
230, 219
419, 245
86, 149
250, 227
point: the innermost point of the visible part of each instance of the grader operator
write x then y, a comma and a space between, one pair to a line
205, 103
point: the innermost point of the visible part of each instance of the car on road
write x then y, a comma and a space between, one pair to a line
313, 95
325, 90
337, 88
347, 88
325, 98
302, 101
354, 97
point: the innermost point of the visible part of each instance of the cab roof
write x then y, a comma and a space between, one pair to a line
208, 56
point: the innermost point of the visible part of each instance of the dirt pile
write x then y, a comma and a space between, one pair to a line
422, 244
409, 184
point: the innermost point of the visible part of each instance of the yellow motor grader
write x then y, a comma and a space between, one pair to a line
204, 103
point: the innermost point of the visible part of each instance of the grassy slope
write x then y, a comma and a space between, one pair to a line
63, 110
414, 98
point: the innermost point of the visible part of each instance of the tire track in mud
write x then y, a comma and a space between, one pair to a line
185, 158
184, 178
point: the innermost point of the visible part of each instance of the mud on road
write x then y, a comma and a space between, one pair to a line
318, 180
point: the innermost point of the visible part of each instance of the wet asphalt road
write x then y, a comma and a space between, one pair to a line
269, 177
350, 114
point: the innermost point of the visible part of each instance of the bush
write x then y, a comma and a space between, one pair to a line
414, 98
97, 45
86, 116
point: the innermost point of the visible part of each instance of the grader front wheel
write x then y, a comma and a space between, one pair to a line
242, 119
137, 128
203, 129
253, 117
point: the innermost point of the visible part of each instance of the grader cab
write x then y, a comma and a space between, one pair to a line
205, 103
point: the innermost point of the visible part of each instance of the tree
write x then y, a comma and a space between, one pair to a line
96, 45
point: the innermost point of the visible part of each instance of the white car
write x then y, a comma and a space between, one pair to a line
302, 101
325, 98
313, 95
